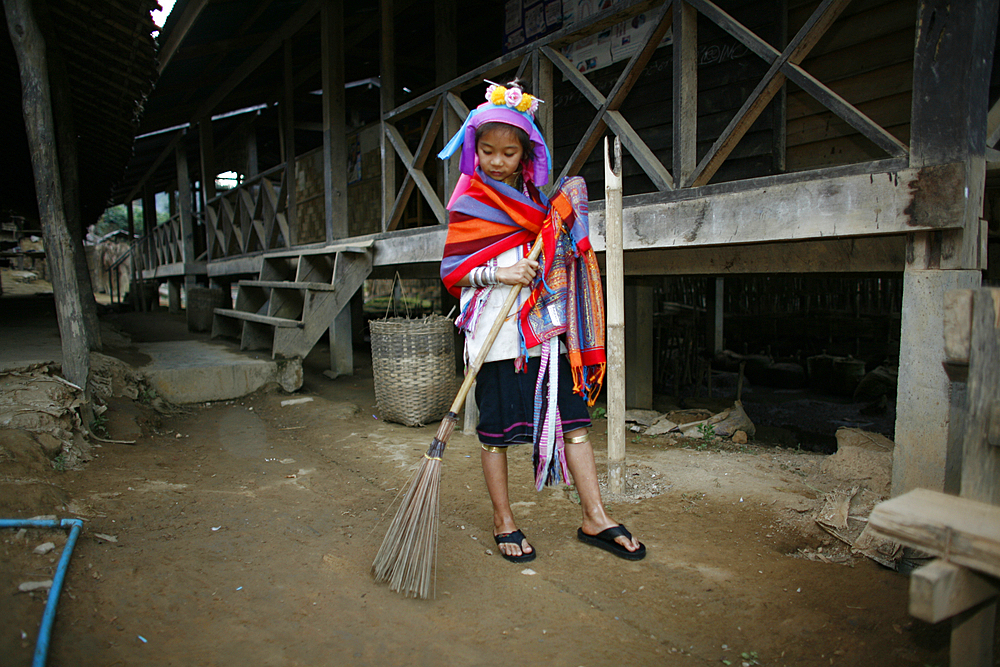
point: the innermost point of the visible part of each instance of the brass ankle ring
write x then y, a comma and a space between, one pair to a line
492, 449
577, 439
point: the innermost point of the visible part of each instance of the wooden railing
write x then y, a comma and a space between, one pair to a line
162, 245
251, 217
535, 62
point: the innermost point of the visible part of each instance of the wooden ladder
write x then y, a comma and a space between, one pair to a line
295, 300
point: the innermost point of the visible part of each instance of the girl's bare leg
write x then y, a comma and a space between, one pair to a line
495, 472
580, 460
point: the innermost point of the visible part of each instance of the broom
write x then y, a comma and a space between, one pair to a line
408, 553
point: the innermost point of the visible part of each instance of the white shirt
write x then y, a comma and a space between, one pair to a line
506, 345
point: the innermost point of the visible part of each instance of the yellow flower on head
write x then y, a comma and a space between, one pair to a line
498, 95
524, 104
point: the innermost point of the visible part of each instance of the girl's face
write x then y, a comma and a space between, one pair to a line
499, 153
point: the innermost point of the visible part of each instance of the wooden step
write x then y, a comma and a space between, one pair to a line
288, 284
964, 531
260, 319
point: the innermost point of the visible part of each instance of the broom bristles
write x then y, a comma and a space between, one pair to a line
408, 553
407, 556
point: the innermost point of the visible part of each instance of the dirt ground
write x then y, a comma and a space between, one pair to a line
243, 532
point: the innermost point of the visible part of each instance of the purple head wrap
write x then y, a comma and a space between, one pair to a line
487, 112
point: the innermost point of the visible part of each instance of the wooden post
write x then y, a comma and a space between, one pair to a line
335, 167
288, 144
685, 98
639, 296
29, 45
951, 70
981, 450
206, 146
614, 261
714, 314
334, 125
542, 82
62, 108
445, 69
387, 92
184, 210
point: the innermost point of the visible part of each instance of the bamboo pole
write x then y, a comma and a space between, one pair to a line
614, 264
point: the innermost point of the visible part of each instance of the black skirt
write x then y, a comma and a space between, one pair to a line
506, 401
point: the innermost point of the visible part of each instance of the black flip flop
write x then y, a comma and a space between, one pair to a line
606, 540
517, 537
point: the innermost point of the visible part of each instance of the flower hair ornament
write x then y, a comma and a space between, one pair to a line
504, 104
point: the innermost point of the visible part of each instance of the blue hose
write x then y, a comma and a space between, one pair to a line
49, 617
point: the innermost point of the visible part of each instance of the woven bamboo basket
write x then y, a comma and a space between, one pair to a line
413, 361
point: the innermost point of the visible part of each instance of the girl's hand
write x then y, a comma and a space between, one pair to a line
521, 273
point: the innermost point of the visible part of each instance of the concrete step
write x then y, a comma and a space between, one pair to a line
197, 371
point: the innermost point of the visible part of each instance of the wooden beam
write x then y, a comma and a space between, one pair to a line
940, 590
963, 531
257, 58
206, 145
595, 23
287, 134
630, 139
951, 80
832, 101
981, 450
778, 209
167, 151
387, 97
685, 99
334, 121
796, 51
180, 30
414, 172
36, 104
185, 203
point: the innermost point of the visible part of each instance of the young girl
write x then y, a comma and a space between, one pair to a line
495, 214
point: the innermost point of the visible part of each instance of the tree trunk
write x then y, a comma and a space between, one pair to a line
29, 45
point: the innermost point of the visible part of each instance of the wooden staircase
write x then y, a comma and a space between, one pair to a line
295, 299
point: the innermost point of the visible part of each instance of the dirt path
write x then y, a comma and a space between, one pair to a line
245, 532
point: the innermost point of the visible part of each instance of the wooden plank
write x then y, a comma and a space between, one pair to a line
773, 80
597, 22
890, 112
629, 137
981, 451
940, 590
838, 152
415, 164
866, 254
259, 56
957, 325
858, 88
960, 530
836, 207
180, 30
416, 174
804, 80
259, 319
288, 284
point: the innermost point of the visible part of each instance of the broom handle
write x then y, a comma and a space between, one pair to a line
470, 377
